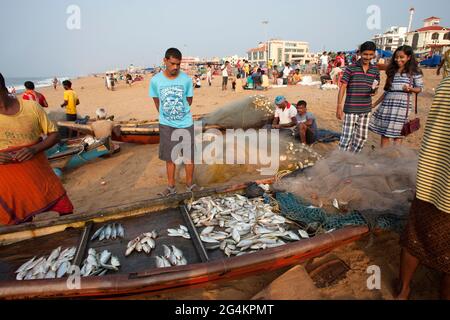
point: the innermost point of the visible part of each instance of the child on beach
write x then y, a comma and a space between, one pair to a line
358, 84
403, 78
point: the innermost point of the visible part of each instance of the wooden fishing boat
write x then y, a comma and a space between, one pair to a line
138, 274
140, 132
73, 153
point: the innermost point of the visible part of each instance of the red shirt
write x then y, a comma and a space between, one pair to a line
35, 96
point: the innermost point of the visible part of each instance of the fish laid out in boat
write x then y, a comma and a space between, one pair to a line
98, 264
56, 265
172, 257
238, 225
145, 242
109, 231
182, 231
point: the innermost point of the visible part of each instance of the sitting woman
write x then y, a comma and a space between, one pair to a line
28, 185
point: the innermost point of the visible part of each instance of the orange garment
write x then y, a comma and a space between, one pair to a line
29, 188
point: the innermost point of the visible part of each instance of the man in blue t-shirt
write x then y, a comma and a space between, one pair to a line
172, 91
307, 125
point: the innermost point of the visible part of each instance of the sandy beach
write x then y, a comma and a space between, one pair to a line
136, 173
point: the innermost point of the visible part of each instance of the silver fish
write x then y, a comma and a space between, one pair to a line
207, 230
114, 231
105, 256
115, 261
24, 266
208, 239
102, 234
63, 268
55, 254
236, 236
173, 259
146, 248
159, 262
130, 250
97, 233
177, 252
120, 231
50, 275
108, 232
167, 251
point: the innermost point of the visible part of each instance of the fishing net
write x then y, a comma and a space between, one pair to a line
284, 155
379, 185
249, 112
316, 219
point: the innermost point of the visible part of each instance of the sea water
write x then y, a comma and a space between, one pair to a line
39, 82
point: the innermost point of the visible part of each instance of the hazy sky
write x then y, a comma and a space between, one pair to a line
115, 33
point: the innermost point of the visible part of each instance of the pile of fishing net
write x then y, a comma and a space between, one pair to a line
249, 112
258, 157
382, 181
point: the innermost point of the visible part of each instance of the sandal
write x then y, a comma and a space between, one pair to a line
193, 188
169, 191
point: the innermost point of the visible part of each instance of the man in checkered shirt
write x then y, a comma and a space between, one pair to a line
359, 83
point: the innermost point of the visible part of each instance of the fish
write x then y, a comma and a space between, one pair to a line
108, 232
113, 231
97, 233
24, 266
102, 235
336, 203
167, 251
235, 235
208, 239
105, 256
184, 228
120, 231
115, 261
207, 230
159, 262
54, 255
146, 248
177, 252
129, 250
303, 234
63, 269
173, 259
50, 275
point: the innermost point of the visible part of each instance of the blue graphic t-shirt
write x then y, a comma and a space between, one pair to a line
174, 110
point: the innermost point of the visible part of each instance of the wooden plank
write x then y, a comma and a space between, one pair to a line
194, 234
81, 248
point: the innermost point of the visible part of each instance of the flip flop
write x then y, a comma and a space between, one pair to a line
169, 191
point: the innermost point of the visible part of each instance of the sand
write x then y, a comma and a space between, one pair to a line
136, 173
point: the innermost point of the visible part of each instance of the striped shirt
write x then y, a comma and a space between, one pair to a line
433, 174
359, 87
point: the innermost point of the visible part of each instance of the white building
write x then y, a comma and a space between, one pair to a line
393, 38
280, 51
431, 37
233, 59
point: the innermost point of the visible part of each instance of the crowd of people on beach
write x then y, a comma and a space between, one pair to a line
426, 239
